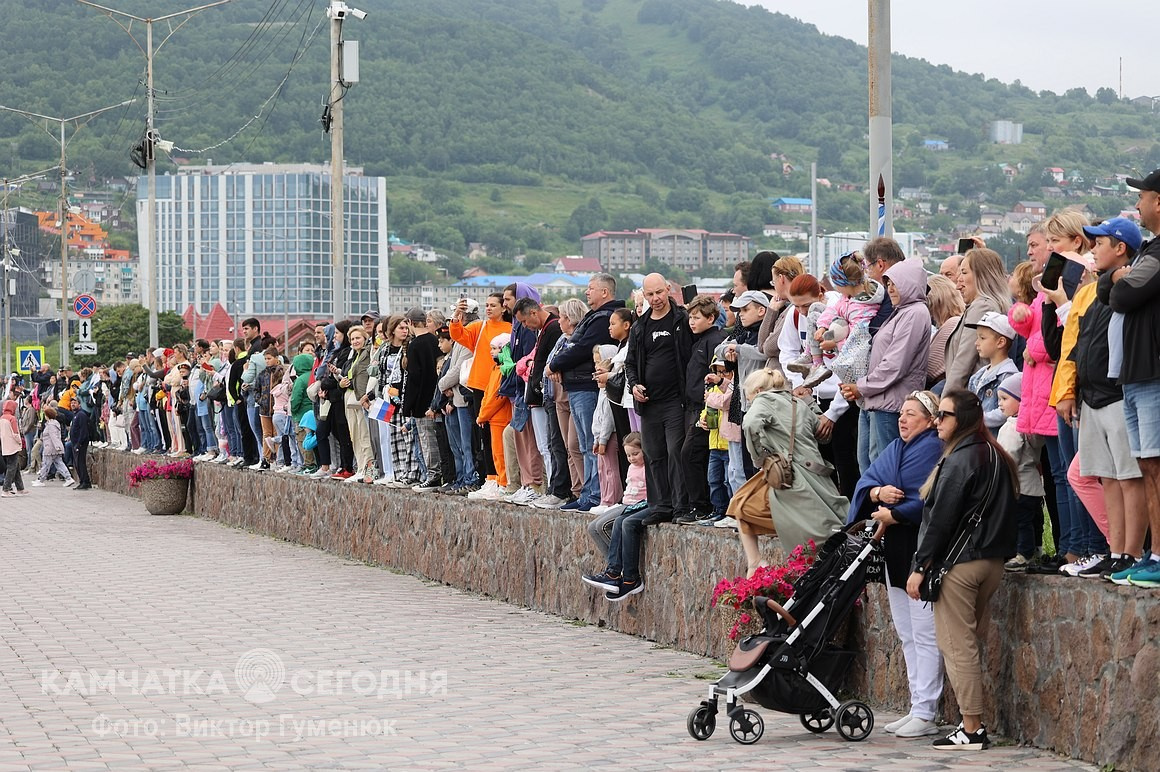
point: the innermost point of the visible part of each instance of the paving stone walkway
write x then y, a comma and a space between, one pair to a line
137, 642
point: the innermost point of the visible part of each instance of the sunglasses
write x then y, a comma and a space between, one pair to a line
940, 415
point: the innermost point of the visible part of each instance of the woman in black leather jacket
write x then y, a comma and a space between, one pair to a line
972, 465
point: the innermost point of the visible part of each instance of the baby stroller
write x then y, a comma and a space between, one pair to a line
792, 665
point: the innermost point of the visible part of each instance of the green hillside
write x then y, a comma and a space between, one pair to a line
525, 123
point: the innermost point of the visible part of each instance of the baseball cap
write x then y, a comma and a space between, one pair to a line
1151, 182
1118, 228
750, 296
370, 315
472, 306
993, 320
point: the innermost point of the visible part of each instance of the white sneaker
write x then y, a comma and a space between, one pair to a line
894, 726
354, 478
139, 451
69, 484
531, 500
489, 492
917, 727
726, 522
600, 509
37, 484
548, 501
384, 480
1073, 569
320, 473
521, 496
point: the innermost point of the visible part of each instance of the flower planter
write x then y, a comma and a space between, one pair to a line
165, 497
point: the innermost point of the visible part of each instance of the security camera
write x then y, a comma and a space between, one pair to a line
360, 15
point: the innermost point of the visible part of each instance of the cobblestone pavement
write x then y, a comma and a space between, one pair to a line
131, 642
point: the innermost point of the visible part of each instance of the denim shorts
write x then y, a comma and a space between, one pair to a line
1142, 415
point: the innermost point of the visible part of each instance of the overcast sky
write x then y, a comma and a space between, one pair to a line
1045, 44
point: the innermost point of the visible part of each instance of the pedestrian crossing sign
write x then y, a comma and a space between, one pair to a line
29, 359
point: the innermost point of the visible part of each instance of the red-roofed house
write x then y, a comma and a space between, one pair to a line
218, 325
573, 264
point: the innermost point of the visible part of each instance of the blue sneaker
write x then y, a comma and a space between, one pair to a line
571, 505
1123, 577
1148, 576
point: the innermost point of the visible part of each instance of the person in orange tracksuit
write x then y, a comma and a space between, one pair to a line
496, 412
475, 336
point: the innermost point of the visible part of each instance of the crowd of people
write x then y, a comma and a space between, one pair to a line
913, 399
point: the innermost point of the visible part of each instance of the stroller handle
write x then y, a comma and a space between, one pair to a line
773, 605
879, 528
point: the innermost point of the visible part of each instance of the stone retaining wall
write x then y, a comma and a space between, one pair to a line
1073, 664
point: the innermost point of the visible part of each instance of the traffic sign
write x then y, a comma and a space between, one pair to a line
85, 348
85, 306
29, 359
85, 331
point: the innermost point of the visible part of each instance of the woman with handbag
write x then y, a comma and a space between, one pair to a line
968, 530
889, 494
803, 502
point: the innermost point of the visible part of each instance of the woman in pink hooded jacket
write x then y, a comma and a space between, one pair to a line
10, 445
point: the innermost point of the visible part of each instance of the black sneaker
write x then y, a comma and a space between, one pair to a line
602, 581
711, 519
688, 519
431, 484
962, 740
448, 488
1048, 565
1099, 569
1119, 564
623, 590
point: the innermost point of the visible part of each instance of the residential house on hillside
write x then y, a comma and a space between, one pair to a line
576, 264
990, 218
1031, 208
787, 232
685, 249
785, 204
1056, 173
1010, 171
1052, 192
914, 194
936, 144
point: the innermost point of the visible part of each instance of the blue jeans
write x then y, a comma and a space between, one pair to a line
255, 419
1084, 537
285, 428
233, 435
459, 424
583, 404
736, 470
876, 430
624, 550
718, 489
205, 431
150, 434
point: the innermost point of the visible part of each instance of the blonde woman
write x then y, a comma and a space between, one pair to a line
946, 308
811, 508
983, 285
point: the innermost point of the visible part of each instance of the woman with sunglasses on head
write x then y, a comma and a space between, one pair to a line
970, 502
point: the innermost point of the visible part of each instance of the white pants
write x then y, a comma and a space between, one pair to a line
540, 429
914, 622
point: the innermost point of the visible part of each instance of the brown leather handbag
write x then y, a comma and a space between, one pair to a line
777, 467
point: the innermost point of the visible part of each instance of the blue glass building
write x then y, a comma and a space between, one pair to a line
257, 237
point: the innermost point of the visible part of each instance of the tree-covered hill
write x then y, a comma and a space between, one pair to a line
507, 120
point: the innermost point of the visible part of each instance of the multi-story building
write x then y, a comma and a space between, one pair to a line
686, 249
257, 238
20, 230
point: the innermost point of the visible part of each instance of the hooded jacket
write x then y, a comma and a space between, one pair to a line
299, 400
1135, 296
898, 354
574, 362
1035, 414
477, 336
10, 441
522, 342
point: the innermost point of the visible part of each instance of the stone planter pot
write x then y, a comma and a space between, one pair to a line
165, 497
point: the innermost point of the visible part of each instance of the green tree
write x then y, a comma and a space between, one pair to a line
118, 330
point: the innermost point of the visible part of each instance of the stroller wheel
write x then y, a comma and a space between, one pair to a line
746, 727
818, 722
855, 720
702, 721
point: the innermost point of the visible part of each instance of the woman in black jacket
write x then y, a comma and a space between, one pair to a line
972, 466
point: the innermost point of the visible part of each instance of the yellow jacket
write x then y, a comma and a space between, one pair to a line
1063, 385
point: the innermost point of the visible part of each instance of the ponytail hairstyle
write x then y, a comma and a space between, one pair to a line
765, 379
969, 423
807, 285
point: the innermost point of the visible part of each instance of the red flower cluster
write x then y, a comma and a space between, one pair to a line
152, 470
769, 581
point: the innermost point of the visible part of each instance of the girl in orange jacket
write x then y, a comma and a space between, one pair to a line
496, 410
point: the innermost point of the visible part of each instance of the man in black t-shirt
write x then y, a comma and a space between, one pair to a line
659, 347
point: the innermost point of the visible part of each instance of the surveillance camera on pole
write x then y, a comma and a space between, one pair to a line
338, 10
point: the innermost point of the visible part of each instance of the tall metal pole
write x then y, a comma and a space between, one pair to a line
881, 148
337, 222
151, 206
63, 253
151, 136
816, 267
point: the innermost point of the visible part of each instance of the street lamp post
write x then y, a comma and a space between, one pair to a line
151, 137
80, 120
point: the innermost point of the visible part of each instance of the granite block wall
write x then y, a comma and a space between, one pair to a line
1072, 664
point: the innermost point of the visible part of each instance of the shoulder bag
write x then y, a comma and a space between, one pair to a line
777, 467
932, 578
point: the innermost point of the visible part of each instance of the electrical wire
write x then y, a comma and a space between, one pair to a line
304, 45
